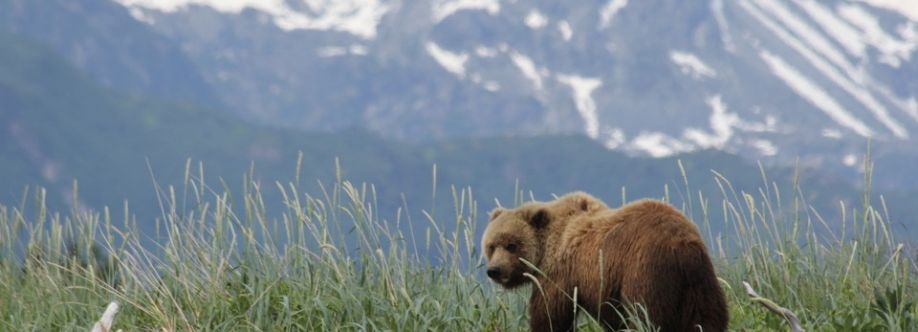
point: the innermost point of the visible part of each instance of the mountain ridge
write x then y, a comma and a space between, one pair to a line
63, 128
753, 77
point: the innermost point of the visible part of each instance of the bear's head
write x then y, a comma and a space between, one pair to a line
514, 235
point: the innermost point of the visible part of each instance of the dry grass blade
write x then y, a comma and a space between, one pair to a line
775, 308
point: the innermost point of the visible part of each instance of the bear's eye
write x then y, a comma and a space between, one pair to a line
512, 248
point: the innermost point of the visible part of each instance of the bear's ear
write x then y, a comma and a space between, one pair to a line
583, 202
584, 205
539, 219
496, 212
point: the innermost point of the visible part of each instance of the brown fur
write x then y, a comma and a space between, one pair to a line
644, 253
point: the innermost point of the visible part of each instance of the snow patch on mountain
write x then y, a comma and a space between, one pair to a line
488, 85
528, 68
139, 15
485, 52
765, 147
658, 145
357, 17
832, 133
536, 20
336, 51
856, 90
583, 90
613, 137
908, 8
444, 8
608, 12
808, 34
908, 105
717, 8
722, 123
451, 62
331, 51
566, 31
491, 86
836, 27
358, 49
850, 160
226, 6
691, 65
893, 51
814, 94
26, 140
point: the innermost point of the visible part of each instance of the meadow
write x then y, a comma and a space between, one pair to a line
329, 261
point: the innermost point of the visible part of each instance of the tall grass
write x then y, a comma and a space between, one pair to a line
329, 261
847, 274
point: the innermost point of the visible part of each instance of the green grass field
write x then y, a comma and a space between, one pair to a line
329, 262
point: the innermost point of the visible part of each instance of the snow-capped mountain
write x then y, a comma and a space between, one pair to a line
786, 78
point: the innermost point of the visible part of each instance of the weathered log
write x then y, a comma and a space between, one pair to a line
108, 317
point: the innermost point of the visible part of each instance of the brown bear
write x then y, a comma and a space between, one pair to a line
645, 254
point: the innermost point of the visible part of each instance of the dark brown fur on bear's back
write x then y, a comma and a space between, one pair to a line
655, 257
645, 253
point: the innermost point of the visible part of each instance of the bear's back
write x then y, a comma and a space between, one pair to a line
645, 251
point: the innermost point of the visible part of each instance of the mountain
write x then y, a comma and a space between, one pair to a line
767, 79
783, 81
60, 125
101, 38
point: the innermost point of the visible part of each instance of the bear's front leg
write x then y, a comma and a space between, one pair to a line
552, 311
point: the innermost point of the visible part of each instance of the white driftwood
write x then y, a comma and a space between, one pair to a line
108, 317
775, 308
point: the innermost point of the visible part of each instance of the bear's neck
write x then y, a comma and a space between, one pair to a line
552, 243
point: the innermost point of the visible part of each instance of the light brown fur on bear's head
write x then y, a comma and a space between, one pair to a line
519, 234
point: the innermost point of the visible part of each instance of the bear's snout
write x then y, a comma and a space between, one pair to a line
494, 273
